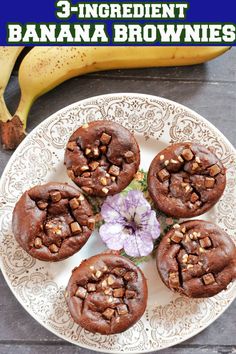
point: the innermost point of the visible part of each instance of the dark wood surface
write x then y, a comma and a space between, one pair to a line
209, 89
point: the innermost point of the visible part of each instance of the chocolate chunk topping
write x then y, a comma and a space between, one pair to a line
105, 139
205, 242
81, 292
42, 205
108, 313
163, 175
122, 309
119, 292
208, 279
187, 154
55, 196
214, 170
129, 156
75, 228
174, 280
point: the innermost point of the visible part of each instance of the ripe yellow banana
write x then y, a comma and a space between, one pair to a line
8, 56
43, 68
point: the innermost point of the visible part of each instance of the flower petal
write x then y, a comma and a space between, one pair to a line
152, 226
139, 244
112, 235
110, 209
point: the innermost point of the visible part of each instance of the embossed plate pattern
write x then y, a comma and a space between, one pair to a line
39, 287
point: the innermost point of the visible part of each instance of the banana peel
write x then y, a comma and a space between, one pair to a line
43, 68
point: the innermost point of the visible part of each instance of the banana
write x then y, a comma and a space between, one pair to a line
43, 68
8, 56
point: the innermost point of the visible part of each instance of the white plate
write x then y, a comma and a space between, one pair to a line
39, 287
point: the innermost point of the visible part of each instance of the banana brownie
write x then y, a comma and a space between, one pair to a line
107, 294
52, 221
186, 180
196, 258
102, 158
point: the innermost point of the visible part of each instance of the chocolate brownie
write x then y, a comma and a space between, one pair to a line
107, 294
102, 158
197, 259
52, 221
186, 180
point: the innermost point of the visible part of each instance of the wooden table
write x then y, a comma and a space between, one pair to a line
209, 89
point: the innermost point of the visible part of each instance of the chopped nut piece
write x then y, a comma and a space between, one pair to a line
166, 163
91, 287
86, 174
198, 203
91, 223
93, 165
81, 198
194, 197
87, 151
107, 175
163, 175
114, 170
176, 226
184, 184
214, 170
42, 205
183, 229
129, 156
189, 266
205, 242
53, 248
71, 145
197, 159
75, 228
105, 138
162, 157
192, 259
87, 190
195, 166
104, 283
129, 276
55, 196
201, 250
110, 299
108, 291
119, 292
119, 271
98, 274
74, 203
113, 178
122, 309
70, 174
84, 168
188, 188
173, 161
180, 159
81, 292
96, 152
103, 181
130, 294
111, 279
85, 126
208, 279
108, 313
174, 280
190, 205
185, 258
105, 190
209, 182
103, 149
38, 242
177, 237
187, 154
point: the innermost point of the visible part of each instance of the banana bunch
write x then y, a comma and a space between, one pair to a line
43, 68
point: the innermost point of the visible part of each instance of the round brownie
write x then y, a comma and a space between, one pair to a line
102, 158
52, 221
186, 180
107, 294
197, 259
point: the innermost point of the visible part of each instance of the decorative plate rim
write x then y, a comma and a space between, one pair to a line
24, 143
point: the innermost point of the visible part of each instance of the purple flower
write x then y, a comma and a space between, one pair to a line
130, 223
